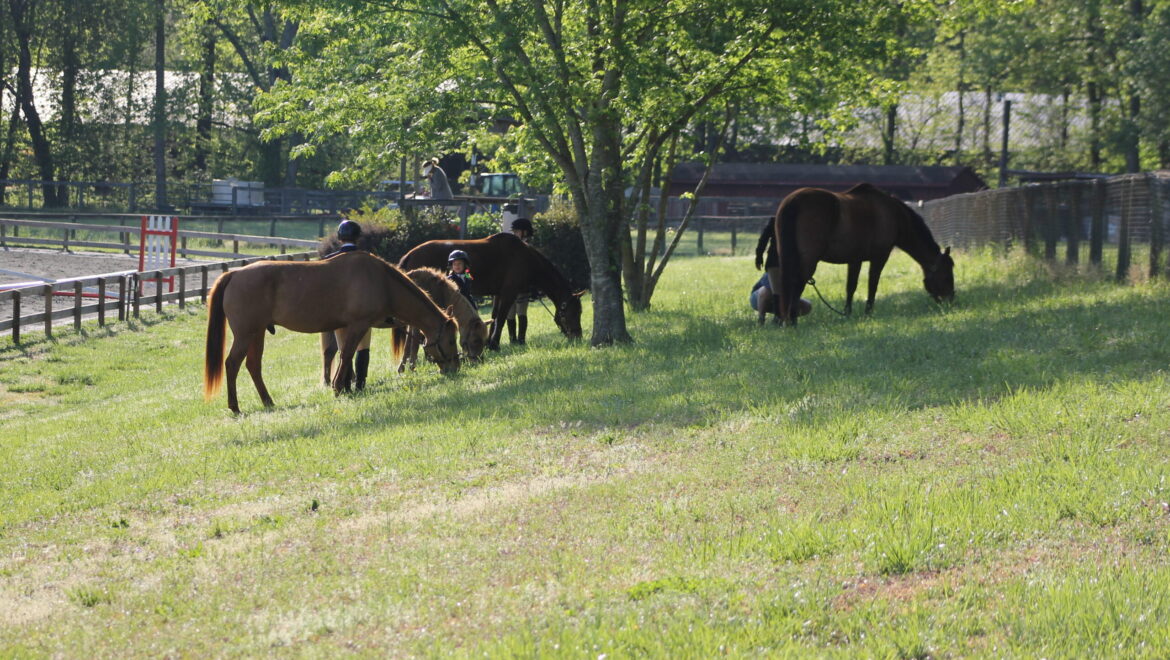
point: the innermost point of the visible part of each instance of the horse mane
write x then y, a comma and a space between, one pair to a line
413, 289
916, 222
451, 294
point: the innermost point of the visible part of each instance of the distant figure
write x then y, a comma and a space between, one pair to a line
348, 232
437, 180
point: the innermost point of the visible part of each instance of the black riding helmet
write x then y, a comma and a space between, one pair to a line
348, 230
459, 254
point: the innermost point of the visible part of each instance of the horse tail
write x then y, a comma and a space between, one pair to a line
398, 343
785, 235
767, 235
213, 355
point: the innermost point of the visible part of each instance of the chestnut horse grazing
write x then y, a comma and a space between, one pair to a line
351, 292
862, 224
504, 266
473, 332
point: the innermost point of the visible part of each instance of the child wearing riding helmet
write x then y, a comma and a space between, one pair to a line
460, 265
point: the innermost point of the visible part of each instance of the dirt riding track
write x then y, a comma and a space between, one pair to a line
28, 264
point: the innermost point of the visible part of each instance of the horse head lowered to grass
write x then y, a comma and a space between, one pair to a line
352, 292
504, 267
864, 223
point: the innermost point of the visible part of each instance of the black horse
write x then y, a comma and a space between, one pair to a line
864, 223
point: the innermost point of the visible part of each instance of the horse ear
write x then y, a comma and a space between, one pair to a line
947, 251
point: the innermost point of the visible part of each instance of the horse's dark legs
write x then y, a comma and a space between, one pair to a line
875, 274
851, 285
328, 350
255, 357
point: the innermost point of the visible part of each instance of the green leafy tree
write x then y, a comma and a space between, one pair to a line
600, 89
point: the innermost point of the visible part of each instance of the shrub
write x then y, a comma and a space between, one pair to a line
390, 233
558, 237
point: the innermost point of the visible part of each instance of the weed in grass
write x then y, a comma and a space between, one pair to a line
88, 596
646, 589
120, 523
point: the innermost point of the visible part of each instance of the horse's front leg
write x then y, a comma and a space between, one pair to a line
853, 273
875, 274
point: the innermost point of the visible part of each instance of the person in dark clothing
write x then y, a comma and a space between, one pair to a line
460, 265
348, 232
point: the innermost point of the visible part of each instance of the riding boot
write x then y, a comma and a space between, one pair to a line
361, 367
512, 331
521, 327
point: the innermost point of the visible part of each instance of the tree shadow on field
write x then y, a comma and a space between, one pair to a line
691, 369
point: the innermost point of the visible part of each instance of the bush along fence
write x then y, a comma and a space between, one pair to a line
120, 295
1127, 211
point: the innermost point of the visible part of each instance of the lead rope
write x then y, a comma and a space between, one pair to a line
813, 283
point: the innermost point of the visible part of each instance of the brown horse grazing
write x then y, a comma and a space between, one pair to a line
861, 224
353, 292
473, 331
504, 266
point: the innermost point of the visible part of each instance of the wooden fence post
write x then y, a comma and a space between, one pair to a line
203, 284
122, 297
77, 297
48, 289
158, 292
1156, 225
699, 246
137, 295
1050, 221
1124, 249
182, 288
101, 301
1072, 225
1097, 228
16, 317
733, 227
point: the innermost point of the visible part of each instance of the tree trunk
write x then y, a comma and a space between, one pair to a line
160, 107
206, 100
600, 208
889, 133
70, 66
42, 150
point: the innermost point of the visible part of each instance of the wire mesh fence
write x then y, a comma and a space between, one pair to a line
1117, 222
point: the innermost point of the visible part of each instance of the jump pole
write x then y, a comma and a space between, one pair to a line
156, 246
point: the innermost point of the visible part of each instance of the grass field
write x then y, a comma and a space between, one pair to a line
984, 480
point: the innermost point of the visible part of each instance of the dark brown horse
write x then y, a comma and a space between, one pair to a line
351, 292
861, 224
504, 266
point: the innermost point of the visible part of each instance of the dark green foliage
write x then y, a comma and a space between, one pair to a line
558, 237
390, 233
